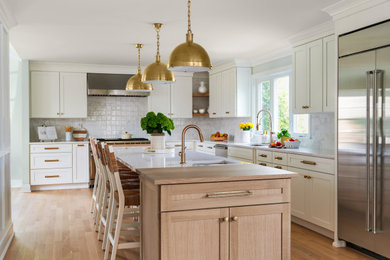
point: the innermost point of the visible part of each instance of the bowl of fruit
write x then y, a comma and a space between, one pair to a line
218, 137
278, 145
292, 143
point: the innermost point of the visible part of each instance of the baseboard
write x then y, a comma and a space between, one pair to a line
26, 188
6, 240
314, 227
60, 186
16, 183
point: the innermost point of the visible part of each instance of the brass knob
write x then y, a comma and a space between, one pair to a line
305, 107
225, 219
235, 219
58, 114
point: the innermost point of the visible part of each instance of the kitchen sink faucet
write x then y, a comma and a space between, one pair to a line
183, 141
270, 123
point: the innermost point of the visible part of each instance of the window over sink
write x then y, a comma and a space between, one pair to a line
273, 94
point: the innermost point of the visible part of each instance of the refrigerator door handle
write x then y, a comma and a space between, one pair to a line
368, 150
375, 145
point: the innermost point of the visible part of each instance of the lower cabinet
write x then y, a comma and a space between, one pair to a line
253, 232
312, 197
80, 163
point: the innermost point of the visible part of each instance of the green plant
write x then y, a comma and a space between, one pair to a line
153, 123
283, 133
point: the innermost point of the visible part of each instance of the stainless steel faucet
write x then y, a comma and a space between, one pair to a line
183, 141
270, 123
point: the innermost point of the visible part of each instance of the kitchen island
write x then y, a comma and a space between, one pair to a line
222, 211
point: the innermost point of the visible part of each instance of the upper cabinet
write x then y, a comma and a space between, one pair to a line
230, 92
314, 76
58, 95
173, 100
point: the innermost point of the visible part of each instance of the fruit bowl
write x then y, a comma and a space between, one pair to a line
218, 137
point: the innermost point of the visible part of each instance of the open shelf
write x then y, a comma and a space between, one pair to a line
201, 95
204, 114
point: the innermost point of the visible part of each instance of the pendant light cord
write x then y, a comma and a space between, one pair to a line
189, 16
158, 42
139, 59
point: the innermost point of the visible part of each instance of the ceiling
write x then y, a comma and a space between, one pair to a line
105, 31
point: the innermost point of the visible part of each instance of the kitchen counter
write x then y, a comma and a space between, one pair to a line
60, 142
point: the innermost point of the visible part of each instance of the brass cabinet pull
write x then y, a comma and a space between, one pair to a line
52, 160
62, 113
200, 145
305, 107
263, 164
177, 145
58, 114
80, 145
227, 112
226, 194
225, 219
263, 155
278, 167
278, 158
235, 219
308, 162
52, 148
209, 147
214, 113
307, 177
52, 176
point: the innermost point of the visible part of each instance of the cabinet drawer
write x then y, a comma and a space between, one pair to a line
280, 158
50, 148
51, 161
311, 163
244, 153
264, 156
52, 176
268, 164
223, 194
206, 148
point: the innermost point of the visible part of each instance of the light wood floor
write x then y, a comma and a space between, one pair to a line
58, 225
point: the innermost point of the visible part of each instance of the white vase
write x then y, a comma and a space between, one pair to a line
202, 88
157, 141
245, 137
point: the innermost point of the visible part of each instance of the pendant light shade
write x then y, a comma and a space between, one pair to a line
157, 72
189, 56
135, 83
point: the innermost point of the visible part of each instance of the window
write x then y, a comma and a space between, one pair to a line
273, 94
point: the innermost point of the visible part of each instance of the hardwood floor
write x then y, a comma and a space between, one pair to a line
58, 225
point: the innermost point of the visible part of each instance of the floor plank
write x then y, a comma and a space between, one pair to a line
58, 225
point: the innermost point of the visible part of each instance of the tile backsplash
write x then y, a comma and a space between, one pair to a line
111, 116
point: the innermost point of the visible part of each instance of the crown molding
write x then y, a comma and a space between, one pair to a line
313, 33
230, 64
345, 8
272, 55
7, 18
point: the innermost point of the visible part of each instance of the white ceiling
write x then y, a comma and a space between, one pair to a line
103, 31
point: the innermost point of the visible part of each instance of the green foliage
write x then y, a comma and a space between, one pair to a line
266, 102
153, 123
283, 133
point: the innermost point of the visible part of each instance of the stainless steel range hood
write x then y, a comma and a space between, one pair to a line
102, 84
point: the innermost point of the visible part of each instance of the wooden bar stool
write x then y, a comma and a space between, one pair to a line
96, 193
127, 202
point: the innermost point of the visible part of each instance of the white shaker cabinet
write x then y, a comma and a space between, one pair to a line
73, 95
58, 95
330, 74
173, 100
307, 78
80, 163
230, 91
314, 76
44, 94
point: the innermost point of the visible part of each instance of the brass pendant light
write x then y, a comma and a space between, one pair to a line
134, 83
189, 56
157, 72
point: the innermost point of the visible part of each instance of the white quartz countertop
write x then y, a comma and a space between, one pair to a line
61, 142
135, 158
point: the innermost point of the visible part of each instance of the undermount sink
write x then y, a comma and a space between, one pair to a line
207, 163
259, 144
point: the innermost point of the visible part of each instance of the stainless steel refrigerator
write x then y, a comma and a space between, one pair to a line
364, 138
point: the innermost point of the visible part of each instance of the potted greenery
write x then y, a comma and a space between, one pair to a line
283, 135
156, 125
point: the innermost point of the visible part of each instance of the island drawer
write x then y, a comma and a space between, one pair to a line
264, 156
311, 163
224, 194
239, 152
50, 148
280, 158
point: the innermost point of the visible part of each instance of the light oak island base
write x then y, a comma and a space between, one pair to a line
57, 225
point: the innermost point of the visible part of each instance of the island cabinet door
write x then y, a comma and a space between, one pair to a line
196, 234
260, 232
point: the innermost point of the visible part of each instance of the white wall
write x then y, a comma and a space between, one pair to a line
19, 104
6, 228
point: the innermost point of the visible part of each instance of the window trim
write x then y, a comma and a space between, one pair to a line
271, 75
